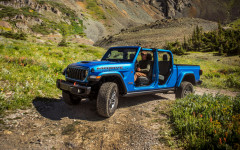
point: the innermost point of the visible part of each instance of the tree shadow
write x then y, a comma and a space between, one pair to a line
56, 109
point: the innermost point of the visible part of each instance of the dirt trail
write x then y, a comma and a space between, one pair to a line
51, 124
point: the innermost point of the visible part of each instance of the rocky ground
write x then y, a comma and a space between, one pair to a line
51, 124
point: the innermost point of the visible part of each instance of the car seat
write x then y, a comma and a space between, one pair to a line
146, 80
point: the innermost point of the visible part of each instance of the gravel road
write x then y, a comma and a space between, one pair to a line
51, 124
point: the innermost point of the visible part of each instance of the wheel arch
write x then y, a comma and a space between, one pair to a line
117, 78
186, 77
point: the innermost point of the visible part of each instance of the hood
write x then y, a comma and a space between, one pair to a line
100, 66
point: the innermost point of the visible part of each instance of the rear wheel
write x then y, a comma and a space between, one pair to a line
107, 100
184, 89
70, 99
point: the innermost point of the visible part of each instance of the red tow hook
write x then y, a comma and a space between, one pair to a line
74, 83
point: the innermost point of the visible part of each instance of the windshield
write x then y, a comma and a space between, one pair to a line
120, 54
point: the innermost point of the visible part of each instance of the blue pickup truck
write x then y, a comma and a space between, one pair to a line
121, 72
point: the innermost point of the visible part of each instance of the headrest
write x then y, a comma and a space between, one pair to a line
132, 56
165, 57
149, 56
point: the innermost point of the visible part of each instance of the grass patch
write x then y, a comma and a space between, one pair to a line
65, 29
162, 116
61, 7
95, 10
69, 129
29, 70
235, 24
207, 122
12, 35
218, 71
6, 11
75, 26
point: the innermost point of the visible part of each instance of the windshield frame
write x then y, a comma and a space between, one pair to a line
104, 58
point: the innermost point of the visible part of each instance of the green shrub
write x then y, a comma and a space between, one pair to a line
175, 47
42, 28
63, 43
207, 122
12, 35
83, 46
6, 11
233, 82
221, 41
1, 46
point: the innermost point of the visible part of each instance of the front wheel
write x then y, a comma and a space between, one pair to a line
70, 99
107, 100
184, 89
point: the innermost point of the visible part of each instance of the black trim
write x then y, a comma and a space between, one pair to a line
191, 75
185, 65
199, 82
67, 86
148, 92
200, 72
154, 49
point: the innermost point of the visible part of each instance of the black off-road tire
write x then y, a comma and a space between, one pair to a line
184, 89
107, 102
70, 99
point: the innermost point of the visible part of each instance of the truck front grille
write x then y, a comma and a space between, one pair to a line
76, 73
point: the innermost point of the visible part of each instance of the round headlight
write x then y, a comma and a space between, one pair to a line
86, 73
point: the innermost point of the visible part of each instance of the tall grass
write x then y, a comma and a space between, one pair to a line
29, 70
207, 122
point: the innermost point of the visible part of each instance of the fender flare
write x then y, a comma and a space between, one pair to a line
118, 75
182, 76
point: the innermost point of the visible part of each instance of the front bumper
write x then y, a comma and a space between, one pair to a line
74, 89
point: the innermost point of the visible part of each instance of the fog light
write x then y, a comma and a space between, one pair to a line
79, 90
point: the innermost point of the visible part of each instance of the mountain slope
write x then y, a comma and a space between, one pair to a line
157, 34
98, 18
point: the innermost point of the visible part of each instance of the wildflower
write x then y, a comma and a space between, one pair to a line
225, 139
211, 119
201, 115
1, 89
220, 141
226, 134
56, 74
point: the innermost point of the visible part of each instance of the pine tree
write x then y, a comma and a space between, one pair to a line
185, 45
220, 50
220, 29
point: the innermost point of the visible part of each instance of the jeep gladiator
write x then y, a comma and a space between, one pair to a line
113, 76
